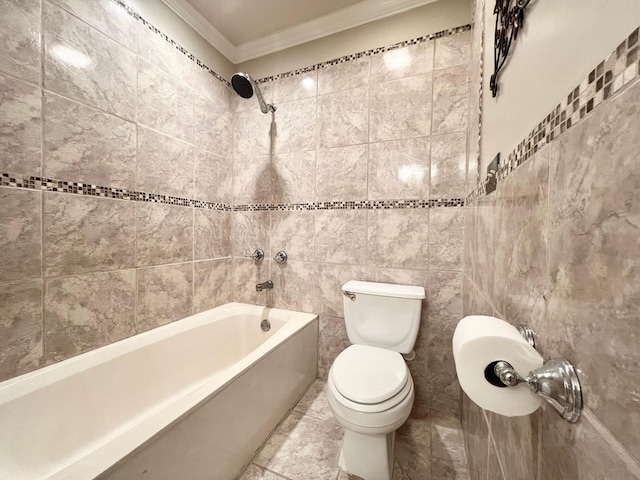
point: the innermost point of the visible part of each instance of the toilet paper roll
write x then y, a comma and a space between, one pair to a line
478, 342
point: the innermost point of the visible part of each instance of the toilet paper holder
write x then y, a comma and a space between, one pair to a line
556, 382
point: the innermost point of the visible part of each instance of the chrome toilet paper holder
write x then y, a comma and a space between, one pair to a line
556, 382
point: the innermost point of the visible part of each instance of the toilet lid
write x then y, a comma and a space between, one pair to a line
369, 375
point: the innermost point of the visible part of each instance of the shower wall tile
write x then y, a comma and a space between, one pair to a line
212, 284
289, 89
330, 279
87, 234
341, 236
448, 165
20, 39
20, 127
20, 327
293, 179
446, 236
106, 16
398, 238
164, 234
402, 62
392, 109
84, 64
450, 100
250, 231
164, 295
290, 232
246, 274
209, 86
251, 133
296, 126
213, 179
344, 76
484, 253
332, 340
20, 234
165, 165
164, 103
212, 233
294, 285
252, 180
84, 312
85, 144
343, 118
341, 173
399, 169
157, 51
453, 50
213, 126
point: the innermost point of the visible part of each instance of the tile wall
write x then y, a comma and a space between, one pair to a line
556, 247
115, 153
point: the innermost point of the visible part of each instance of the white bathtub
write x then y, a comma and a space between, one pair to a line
193, 399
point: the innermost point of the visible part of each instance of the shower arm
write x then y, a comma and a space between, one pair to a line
264, 106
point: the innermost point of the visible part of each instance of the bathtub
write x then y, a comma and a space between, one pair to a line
193, 399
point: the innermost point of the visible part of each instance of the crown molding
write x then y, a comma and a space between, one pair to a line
352, 16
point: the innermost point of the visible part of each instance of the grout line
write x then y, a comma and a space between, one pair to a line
41, 200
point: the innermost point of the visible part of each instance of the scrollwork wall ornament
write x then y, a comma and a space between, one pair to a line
509, 21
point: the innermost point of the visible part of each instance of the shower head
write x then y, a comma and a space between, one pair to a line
245, 86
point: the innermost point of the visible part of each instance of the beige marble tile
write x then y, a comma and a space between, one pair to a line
450, 100
477, 442
212, 233
294, 286
164, 103
20, 39
87, 145
341, 236
399, 169
208, 85
246, 274
83, 64
402, 62
469, 243
517, 434
20, 327
332, 340
341, 173
447, 441
295, 126
494, 470
164, 234
315, 403
249, 231
303, 448
484, 251
20, 127
344, 76
251, 133
164, 165
164, 295
156, 50
213, 126
444, 470
256, 472
398, 238
343, 118
452, 50
213, 179
393, 113
293, 179
20, 234
84, 312
252, 180
331, 277
106, 16
413, 450
446, 235
293, 232
212, 284
448, 166
84, 234
443, 392
297, 87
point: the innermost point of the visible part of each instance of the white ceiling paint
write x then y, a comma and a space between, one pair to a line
282, 23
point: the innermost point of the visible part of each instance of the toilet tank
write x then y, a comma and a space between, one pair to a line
382, 315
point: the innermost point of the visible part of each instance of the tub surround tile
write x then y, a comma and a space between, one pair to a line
246, 274
164, 234
343, 118
211, 283
448, 165
84, 64
293, 179
156, 50
344, 76
84, 312
341, 236
402, 62
212, 178
20, 234
20, 327
446, 235
392, 112
213, 126
251, 133
250, 231
331, 277
450, 100
294, 285
212, 234
20, 126
20, 39
315, 403
341, 173
211, 87
290, 232
398, 169
452, 50
295, 126
332, 340
252, 180
88, 145
164, 295
289, 89
303, 448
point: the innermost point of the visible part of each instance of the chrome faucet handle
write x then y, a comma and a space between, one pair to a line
257, 255
281, 257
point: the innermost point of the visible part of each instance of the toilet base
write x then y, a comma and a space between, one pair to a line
369, 457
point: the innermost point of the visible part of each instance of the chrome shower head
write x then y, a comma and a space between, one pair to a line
245, 86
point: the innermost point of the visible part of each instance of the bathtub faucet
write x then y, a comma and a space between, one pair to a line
264, 286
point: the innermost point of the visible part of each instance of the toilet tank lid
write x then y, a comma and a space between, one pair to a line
384, 289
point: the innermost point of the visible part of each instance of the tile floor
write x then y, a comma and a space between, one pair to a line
306, 446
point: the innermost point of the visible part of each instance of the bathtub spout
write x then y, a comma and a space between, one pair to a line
264, 286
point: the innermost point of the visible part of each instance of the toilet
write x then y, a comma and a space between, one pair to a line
370, 390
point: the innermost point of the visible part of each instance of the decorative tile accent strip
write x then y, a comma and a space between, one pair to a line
611, 76
352, 205
366, 53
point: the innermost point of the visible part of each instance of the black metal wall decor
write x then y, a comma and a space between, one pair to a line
509, 20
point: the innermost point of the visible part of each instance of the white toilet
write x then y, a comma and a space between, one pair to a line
370, 389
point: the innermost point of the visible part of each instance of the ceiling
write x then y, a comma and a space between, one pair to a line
246, 29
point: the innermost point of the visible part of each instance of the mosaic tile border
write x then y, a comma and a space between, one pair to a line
611, 76
366, 53
352, 205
